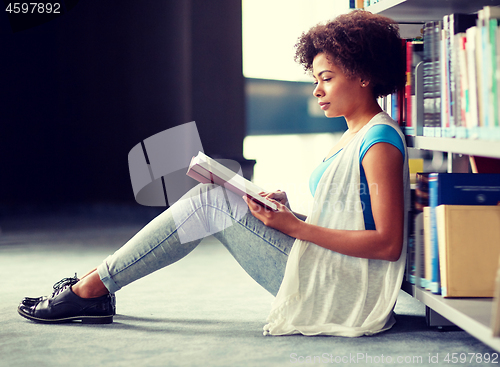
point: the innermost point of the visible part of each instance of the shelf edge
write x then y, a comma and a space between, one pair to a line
482, 148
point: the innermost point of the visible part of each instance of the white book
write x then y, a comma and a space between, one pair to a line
207, 170
472, 117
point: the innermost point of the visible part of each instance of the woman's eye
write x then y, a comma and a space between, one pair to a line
327, 79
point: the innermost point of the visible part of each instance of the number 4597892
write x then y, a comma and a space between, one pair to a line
40, 8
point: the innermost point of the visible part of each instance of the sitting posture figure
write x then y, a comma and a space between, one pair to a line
336, 271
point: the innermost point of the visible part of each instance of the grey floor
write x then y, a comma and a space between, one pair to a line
202, 311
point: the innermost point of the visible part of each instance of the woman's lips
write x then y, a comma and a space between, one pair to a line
324, 105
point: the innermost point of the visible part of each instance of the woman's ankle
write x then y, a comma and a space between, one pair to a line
90, 286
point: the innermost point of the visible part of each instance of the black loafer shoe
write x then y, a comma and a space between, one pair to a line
57, 288
67, 307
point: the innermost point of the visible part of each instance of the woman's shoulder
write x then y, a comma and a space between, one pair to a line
383, 118
383, 129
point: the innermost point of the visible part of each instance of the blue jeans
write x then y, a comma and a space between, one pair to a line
205, 210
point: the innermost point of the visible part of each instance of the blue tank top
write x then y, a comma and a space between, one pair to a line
381, 133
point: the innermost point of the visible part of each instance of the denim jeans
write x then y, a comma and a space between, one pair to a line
205, 210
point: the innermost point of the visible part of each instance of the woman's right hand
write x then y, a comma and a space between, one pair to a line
279, 196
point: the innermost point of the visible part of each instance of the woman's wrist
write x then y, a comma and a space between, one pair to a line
299, 229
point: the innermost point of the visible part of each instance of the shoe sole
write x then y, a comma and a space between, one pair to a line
83, 319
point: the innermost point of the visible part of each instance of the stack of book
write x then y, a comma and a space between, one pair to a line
456, 234
461, 77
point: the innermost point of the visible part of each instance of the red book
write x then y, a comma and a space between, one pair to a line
408, 86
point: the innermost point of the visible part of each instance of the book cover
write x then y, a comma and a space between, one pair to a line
433, 274
462, 87
428, 79
495, 311
468, 238
485, 164
414, 54
487, 24
445, 75
422, 191
457, 189
417, 269
417, 255
472, 114
432, 78
207, 170
464, 189
436, 49
427, 250
493, 106
457, 23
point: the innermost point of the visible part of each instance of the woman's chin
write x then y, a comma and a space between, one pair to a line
330, 114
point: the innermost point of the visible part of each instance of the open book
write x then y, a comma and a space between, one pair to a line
207, 170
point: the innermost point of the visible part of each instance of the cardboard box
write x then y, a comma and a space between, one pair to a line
469, 249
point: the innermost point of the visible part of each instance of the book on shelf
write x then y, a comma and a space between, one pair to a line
454, 26
432, 79
461, 64
414, 55
487, 24
468, 237
207, 170
426, 279
495, 311
472, 103
456, 189
484, 164
418, 266
420, 199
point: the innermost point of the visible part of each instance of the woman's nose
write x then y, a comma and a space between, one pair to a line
317, 92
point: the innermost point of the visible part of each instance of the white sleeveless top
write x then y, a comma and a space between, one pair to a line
327, 293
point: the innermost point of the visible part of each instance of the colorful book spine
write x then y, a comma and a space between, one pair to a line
416, 252
472, 112
462, 86
434, 282
432, 79
461, 76
414, 55
458, 25
446, 115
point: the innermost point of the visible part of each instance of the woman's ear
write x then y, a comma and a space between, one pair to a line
364, 83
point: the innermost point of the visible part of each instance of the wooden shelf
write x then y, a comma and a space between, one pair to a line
471, 314
481, 148
411, 11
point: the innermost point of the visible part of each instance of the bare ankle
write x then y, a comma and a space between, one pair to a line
90, 287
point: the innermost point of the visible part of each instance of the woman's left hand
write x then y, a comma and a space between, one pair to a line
283, 219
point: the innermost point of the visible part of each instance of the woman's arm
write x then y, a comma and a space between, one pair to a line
383, 165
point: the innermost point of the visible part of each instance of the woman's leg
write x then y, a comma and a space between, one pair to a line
205, 210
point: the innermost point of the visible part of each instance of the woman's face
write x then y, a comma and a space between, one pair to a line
337, 94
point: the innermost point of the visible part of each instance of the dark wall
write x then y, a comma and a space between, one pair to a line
78, 92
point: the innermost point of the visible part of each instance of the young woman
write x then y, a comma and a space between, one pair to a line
337, 272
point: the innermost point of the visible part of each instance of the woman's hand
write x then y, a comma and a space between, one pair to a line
283, 219
279, 196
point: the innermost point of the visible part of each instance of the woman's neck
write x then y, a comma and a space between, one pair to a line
362, 117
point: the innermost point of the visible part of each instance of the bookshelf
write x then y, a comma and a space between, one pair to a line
419, 11
473, 315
